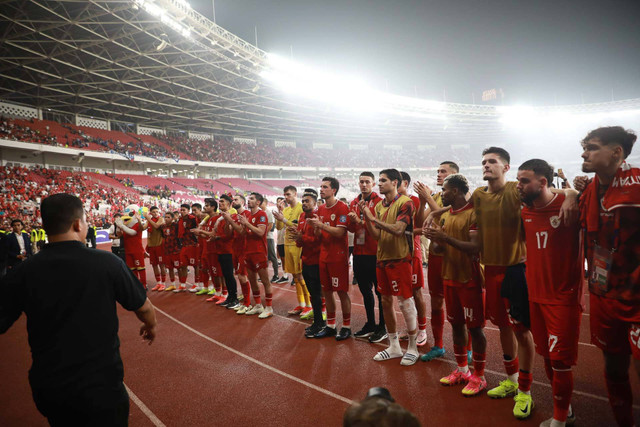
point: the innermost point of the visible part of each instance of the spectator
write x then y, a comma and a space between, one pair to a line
18, 244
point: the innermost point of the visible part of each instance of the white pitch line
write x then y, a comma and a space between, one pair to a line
145, 410
257, 362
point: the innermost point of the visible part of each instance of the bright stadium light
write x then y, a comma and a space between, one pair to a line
345, 92
158, 12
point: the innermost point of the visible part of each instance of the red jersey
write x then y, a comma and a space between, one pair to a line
186, 223
133, 244
310, 242
554, 255
363, 242
334, 249
171, 242
240, 239
417, 243
224, 243
257, 244
209, 226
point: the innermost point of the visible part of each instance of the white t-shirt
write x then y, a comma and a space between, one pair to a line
115, 242
271, 221
20, 239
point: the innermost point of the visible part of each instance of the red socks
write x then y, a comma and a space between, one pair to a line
562, 386
422, 323
620, 399
511, 366
524, 380
142, 276
331, 319
437, 325
246, 291
479, 362
268, 299
256, 298
346, 320
461, 355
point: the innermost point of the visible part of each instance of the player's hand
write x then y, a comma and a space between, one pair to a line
569, 211
365, 210
436, 233
353, 217
278, 215
314, 221
243, 220
280, 205
581, 182
423, 191
118, 222
227, 216
148, 333
429, 221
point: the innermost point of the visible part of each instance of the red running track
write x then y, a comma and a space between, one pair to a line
211, 367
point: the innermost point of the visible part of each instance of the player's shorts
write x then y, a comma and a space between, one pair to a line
465, 304
171, 260
555, 330
334, 276
394, 278
280, 249
155, 254
239, 267
496, 307
188, 256
434, 276
292, 261
256, 261
213, 264
135, 261
615, 327
417, 273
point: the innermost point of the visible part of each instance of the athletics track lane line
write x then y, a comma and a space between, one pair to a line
145, 410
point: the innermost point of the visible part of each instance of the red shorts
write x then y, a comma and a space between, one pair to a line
214, 265
171, 260
496, 307
135, 261
434, 276
239, 267
256, 261
155, 254
188, 256
615, 327
394, 278
334, 276
465, 304
417, 274
555, 330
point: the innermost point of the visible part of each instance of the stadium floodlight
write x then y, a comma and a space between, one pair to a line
345, 92
165, 17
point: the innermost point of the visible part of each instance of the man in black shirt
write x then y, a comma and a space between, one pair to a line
68, 293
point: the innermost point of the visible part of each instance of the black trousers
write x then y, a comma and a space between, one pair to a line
311, 275
119, 252
94, 406
364, 269
226, 265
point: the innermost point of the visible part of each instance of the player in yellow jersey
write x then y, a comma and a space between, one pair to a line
288, 215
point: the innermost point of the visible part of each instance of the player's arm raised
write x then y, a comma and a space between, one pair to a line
439, 236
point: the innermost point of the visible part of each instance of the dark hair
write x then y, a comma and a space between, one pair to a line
378, 411
310, 192
613, 135
59, 211
258, 197
290, 187
185, 205
227, 198
333, 183
501, 152
458, 181
211, 202
153, 208
369, 174
540, 168
117, 215
244, 200
196, 205
452, 165
16, 221
406, 177
393, 175
169, 213
279, 198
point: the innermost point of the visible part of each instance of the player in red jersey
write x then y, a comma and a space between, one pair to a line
610, 215
196, 210
239, 244
223, 235
432, 202
255, 229
417, 275
554, 276
155, 247
330, 225
188, 245
306, 239
457, 236
392, 227
171, 247
132, 242
209, 254
364, 259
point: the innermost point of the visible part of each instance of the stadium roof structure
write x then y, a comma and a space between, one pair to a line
161, 64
